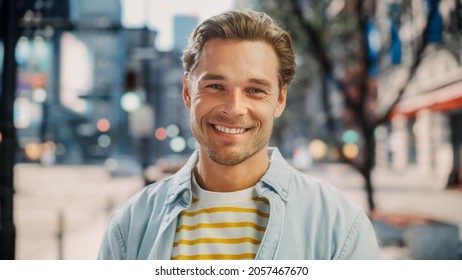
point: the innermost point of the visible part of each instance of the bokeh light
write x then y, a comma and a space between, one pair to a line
103, 125
160, 134
130, 102
318, 149
178, 144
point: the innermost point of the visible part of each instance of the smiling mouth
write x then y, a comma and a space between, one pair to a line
228, 130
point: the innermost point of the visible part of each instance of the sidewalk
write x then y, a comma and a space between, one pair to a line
84, 196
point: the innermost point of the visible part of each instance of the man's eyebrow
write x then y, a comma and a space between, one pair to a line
262, 82
209, 76
218, 77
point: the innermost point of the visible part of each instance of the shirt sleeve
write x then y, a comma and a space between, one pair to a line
112, 245
361, 241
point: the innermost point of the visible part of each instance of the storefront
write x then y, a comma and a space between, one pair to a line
437, 131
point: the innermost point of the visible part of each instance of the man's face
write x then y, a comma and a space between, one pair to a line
234, 96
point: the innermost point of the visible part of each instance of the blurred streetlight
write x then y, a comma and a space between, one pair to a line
130, 102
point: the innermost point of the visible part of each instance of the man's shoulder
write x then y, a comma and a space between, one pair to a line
148, 197
306, 185
309, 182
155, 190
320, 192
281, 175
153, 197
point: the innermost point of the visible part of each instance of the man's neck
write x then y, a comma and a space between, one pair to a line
216, 177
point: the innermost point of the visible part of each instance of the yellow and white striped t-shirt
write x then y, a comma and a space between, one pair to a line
221, 225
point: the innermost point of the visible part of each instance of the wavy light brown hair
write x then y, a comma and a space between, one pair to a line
243, 25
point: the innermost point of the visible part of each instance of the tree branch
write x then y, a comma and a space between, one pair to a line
320, 53
411, 74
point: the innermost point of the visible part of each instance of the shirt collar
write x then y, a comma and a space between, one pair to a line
277, 177
279, 174
181, 181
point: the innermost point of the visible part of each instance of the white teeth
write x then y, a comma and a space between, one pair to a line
230, 130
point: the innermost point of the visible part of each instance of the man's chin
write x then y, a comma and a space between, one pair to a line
227, 160
230, 156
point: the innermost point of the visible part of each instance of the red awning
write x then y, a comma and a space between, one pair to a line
444, 99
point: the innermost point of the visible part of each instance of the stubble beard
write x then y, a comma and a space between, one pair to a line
228, 155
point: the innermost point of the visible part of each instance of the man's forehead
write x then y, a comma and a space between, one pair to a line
260, 64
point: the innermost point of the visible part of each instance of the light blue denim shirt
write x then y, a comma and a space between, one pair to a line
309, 218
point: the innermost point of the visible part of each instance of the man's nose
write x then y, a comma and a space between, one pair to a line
235, 103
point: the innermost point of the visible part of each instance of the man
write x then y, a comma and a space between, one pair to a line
236, 198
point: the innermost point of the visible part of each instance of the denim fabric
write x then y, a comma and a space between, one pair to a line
309, 218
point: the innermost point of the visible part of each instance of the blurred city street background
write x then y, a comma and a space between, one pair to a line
91, 112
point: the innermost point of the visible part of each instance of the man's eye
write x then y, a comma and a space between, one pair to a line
255, 90
215, 86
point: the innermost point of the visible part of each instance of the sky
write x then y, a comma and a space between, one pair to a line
159, 14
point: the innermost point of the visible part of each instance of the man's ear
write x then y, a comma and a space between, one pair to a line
281, 103
186, 93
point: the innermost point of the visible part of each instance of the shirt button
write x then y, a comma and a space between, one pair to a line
166, 218
284, 194
171, 196
186, 196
